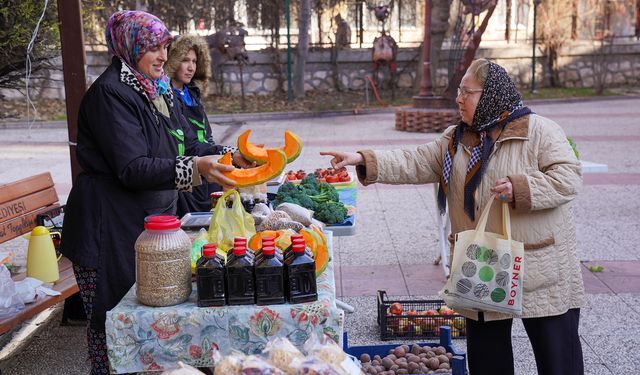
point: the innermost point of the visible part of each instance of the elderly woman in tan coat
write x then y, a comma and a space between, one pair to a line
501, 148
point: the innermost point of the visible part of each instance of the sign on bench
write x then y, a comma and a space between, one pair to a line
20, 204
22, 201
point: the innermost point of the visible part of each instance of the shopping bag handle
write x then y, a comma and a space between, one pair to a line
223, 199
506, 218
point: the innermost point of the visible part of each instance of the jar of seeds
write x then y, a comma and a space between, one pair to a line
163, 262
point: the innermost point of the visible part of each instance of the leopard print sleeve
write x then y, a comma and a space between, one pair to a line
184, 172
230, 149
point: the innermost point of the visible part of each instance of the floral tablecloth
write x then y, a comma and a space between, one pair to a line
143, 338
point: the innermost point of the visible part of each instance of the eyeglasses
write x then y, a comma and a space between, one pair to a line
465, 92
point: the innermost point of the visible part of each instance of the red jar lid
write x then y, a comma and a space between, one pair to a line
162, 222
217, 194
298, 248
209, 250
158, 218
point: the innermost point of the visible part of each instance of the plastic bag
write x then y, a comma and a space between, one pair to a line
183, 370
297, 213
230, 364
282, 354
314, 366
327, 351
254, 365
228, 223
196, 248
10, 301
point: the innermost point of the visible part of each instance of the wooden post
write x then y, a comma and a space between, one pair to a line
73, 64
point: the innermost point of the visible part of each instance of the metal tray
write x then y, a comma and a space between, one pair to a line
196, 220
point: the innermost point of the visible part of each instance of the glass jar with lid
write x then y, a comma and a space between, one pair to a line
163, 262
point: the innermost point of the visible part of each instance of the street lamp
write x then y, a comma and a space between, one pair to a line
533, 59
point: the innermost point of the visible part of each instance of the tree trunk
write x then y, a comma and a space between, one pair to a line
440, 10
302, 52
468, 56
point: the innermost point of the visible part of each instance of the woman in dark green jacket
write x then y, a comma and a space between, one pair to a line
188, 67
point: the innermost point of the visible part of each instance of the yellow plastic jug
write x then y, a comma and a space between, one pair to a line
42, 263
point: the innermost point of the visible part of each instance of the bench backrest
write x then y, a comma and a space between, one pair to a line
21, 202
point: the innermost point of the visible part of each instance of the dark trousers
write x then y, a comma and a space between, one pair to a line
555, 341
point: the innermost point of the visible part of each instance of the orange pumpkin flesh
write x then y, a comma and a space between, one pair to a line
275, 164
292, 147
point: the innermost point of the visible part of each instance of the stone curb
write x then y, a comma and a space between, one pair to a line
266, 116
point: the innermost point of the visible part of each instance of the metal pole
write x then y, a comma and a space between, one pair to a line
361, 13
533, 58
73, 62
426, 88
287, 5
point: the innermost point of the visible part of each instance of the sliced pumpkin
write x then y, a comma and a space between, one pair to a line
275, 164
322, 254
284, 238
311, 239
255, 243
292, 147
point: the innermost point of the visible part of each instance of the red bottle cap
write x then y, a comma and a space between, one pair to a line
209, 250
298, 241
268, 250
217, 194
298, 248
267, 239
239, 240
296, 236
162, 222
239, 250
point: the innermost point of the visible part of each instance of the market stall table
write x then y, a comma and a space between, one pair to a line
143, 338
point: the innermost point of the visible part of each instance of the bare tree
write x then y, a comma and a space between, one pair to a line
597, 21
555, 31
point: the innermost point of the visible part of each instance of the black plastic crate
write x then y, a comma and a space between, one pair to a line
413, 323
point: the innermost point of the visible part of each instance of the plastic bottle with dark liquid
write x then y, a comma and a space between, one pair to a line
210, 278
269, 241
269, 278
240, 277
300, 270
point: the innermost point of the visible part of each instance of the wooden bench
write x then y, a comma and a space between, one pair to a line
20, 204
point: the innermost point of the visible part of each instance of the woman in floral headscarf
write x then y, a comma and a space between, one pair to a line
136, 152
501, 148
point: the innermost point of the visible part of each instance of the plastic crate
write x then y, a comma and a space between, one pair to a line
458, 361
416, 327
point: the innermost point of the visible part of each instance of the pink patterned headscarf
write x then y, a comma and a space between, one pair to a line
132, 33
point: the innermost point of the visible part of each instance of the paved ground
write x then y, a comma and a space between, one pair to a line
396, 239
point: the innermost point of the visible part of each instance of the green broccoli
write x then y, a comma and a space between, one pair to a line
290, 193
309, 185
329, 191
331, 212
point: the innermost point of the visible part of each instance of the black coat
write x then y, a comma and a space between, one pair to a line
199, 199
128, 159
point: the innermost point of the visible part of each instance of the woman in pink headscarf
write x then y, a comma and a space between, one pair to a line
136, 152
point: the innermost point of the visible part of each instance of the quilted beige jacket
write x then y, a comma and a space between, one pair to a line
534, 153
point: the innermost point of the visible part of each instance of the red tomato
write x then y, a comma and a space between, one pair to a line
344, 178
331, 178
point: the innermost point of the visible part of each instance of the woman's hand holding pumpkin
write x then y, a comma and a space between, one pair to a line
212, 171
